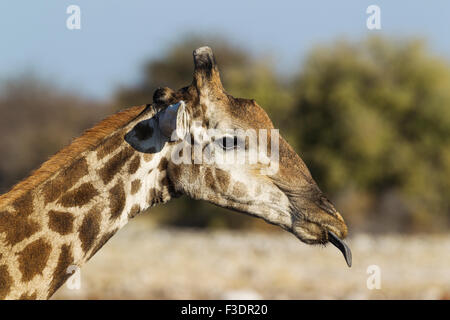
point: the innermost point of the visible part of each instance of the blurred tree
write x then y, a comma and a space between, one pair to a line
242, 75
372, 121
175, 68
36, 120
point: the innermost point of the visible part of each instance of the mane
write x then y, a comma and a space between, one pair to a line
89, 139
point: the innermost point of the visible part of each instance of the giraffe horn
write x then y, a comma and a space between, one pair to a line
206, 72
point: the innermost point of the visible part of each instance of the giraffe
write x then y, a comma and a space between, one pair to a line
76, 201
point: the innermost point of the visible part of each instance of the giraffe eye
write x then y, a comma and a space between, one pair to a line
228, 142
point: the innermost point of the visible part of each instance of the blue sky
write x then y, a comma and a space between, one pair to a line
116, 37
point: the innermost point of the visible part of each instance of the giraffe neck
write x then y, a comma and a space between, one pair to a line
68, 217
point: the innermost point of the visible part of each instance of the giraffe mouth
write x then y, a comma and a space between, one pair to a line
315, 232
328, 219
342, 246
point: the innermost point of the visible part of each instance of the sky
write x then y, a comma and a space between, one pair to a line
117, 37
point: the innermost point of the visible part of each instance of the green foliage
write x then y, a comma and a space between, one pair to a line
36, 120
375, 116
175, 68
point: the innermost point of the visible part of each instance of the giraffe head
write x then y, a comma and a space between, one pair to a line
225, 150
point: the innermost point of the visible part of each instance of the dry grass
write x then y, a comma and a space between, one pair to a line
144, 262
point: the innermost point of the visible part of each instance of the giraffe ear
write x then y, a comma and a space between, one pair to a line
174, 121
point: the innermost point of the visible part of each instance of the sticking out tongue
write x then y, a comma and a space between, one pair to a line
338, 243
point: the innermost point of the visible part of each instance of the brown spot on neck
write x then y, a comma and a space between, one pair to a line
154, 196
17, 227
149, 156
110, 144
28, 296
134, 211
134, 164
33, 259
78, 197
174, 171
61, 274
61, 222
53, 189
117, 200
89, 229
5, 282
162, 166
115, 164
24, 204
135, 186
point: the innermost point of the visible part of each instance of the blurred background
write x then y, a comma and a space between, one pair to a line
367, 110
